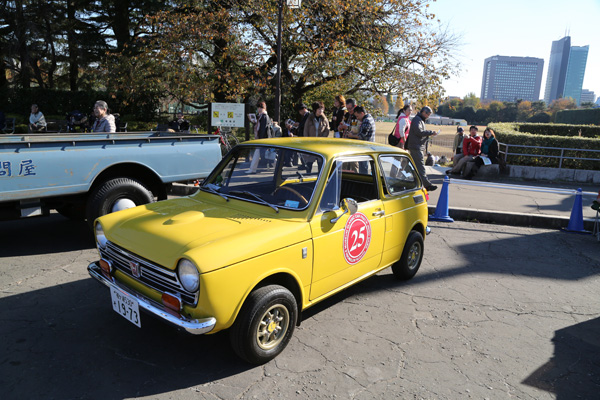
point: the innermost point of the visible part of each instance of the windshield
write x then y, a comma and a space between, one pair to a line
274, 176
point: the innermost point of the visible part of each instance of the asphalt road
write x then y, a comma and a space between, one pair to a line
495, 312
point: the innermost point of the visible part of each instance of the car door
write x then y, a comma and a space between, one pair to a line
403, 196
348, 247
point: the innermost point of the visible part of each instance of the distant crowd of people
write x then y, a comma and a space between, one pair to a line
348, 120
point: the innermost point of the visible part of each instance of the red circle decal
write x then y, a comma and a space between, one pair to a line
357, 237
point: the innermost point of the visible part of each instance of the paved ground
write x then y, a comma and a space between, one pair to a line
495, 312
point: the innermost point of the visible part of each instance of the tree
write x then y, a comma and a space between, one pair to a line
471, 100
524, 110
225, 49
381, 105
399, 104
561, 104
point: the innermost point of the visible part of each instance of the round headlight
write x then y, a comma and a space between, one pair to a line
100, 238
188, 275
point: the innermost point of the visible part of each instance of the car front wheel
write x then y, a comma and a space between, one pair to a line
265, 324
412, 255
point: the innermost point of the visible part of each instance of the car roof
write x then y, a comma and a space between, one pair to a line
329, 147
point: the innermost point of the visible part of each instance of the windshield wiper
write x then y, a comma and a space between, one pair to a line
255, 196
211, 190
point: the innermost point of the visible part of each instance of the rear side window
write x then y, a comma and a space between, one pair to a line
399, 173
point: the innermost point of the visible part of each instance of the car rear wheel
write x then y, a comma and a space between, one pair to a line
265, 324
412, 255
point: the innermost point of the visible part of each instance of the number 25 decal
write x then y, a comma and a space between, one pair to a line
357, 237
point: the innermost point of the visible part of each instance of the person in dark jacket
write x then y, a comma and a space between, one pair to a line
417, 137
180, 124
338, 114
489, 150
304, 114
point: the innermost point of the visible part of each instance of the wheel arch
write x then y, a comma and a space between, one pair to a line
287, 281
419, 227
142, 173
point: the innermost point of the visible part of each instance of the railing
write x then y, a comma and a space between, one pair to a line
560, 157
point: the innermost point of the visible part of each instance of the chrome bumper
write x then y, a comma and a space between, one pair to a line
193, 326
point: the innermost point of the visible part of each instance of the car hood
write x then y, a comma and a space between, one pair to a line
211, 235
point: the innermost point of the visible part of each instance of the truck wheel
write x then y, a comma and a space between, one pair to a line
412, 255
265, 324
115, 195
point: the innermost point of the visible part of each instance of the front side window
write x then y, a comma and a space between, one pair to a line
399, 173
350, 178
266, 174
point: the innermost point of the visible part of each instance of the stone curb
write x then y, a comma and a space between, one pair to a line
513, 218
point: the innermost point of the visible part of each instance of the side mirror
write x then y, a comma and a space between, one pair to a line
349, 206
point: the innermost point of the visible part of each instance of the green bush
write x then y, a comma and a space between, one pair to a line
585, 116
589, 131
508, 133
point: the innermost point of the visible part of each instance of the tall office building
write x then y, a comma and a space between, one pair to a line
575, 72
511, 78
557, 69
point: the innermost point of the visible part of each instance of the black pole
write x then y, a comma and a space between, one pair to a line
278, 77
208, 122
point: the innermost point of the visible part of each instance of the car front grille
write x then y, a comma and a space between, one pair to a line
152, 275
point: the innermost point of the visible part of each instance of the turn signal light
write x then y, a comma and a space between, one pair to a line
171, 301
106, 266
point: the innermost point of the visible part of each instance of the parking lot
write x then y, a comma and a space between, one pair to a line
494, 312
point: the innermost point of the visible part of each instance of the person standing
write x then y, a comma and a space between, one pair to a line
471, 149
304, 114
417, 137
403, 125
317, 125
37, 122
339, 111
350, 124
180, 124
367, 126
104, 122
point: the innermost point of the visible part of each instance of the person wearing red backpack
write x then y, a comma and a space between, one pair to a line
403, 125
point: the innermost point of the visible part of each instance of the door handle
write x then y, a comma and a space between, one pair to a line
379, 213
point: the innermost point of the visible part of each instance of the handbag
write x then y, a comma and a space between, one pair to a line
392, 139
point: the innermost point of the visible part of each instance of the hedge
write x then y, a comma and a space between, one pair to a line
589, 131
585, 116
509, 133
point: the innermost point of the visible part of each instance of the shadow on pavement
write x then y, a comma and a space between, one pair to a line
44, 235
574, 370
66, 342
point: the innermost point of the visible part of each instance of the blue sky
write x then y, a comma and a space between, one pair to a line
523, 28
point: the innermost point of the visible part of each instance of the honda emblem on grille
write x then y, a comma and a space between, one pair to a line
135, 269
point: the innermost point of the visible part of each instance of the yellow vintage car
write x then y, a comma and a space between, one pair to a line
279, 225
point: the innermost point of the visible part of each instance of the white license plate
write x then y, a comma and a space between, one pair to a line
126, 305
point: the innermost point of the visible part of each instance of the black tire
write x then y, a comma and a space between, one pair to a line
270, 307
104, 197
412, 255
